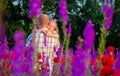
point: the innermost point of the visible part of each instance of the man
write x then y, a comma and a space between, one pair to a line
42, 43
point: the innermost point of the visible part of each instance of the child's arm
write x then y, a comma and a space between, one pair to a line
54, 35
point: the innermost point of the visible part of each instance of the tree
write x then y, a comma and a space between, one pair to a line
79, 12
2, 21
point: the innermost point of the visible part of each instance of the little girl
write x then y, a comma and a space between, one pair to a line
53, 32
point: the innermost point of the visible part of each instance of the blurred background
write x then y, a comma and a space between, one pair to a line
14, 16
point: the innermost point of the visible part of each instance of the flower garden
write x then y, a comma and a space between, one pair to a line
82, 60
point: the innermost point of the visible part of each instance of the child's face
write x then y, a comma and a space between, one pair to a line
51, 26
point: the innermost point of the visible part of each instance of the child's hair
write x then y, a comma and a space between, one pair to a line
56, 28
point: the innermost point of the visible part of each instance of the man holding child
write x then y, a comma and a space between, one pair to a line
44, 40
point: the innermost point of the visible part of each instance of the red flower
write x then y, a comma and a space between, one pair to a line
107, 61
55, 60
39, 69
48, 70
106, 71
116, 73
71, 58
4, 63
10, 66
62, 60
104, 60
13, 55
94, 63
7, 55
39, 56
110, 48
40, 62
23, 67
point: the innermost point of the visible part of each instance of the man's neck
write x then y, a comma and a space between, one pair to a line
44, 27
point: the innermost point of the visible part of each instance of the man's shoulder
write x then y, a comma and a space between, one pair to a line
43, 28
40, 34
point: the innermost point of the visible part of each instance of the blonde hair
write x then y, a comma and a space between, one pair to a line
56, 28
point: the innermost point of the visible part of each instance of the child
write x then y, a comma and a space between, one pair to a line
53, 32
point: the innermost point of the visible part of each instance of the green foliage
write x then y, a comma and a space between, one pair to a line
79, 12
10, 30
114, 33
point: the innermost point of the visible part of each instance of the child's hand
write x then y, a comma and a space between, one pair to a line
46, 32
